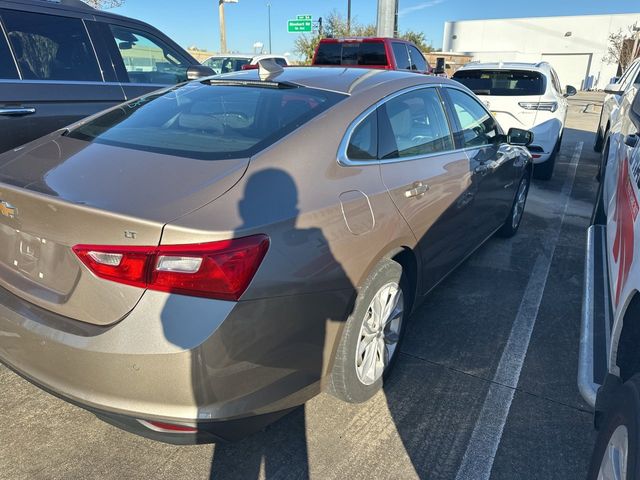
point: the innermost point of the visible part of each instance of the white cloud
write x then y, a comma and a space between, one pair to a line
420, 6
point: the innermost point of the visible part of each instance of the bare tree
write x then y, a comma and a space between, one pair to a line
621, 48
104, 4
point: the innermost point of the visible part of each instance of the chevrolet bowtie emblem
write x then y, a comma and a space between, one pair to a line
7, 210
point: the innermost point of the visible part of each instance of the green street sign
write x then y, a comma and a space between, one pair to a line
303, 17
297, 26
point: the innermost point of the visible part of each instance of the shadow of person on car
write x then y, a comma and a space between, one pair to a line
270, 351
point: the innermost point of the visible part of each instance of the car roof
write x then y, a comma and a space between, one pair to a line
538, 67
339, 79
77, 6
363, 39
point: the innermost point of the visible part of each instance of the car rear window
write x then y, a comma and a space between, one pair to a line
207, 121
351, 53
502, 82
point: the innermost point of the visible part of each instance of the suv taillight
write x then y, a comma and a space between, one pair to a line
544, 106
221, 270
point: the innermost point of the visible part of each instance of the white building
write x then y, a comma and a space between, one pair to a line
574, 45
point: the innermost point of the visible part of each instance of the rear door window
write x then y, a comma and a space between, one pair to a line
363, 144
7, 65
414, 124
147, 59
418, 62
502, 82
402, 56
51, 47
207, 121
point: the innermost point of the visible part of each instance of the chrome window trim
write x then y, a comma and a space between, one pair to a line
345, 161
15, 60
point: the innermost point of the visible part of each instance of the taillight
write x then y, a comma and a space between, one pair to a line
220, 270
167, 427
544, 106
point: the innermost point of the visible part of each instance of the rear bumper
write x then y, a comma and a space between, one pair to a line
545, 137
596, 317
177, 359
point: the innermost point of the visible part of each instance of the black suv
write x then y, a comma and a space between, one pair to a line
61, 60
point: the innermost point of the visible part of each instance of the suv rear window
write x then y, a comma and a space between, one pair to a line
502, 82
351, 53
207, 121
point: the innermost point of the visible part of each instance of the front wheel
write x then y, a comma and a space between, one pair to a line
372, 335
615, 455
511, 225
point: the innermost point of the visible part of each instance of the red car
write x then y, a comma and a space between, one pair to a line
383, 53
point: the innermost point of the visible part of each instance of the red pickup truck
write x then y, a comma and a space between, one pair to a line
383, 53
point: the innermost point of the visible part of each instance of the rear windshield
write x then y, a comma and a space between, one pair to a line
351, 53
502, 82
207, 122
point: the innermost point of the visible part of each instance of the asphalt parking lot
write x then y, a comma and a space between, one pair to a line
485, 386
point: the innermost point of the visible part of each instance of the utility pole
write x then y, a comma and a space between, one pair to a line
348, 17
269, 15
223, 28
387, 23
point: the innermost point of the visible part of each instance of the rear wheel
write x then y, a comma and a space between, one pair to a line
615, 455
512, 223
597, 146
372, 335
544, 170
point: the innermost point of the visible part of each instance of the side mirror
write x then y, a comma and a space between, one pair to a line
195, 72
440, 66
519, 137
570, 91
613, 89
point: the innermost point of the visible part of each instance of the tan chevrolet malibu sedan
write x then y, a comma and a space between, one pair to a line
193, 264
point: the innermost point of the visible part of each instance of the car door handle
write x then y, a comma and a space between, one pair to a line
17, 111
418, 190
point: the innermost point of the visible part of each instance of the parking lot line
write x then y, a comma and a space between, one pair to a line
477, 462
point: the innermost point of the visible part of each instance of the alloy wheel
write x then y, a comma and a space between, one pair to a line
379, 333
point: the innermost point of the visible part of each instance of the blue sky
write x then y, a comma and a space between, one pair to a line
195, 22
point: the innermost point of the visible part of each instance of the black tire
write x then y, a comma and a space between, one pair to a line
508, 230
603, 163
344, 382
623, 410
598, 216
597, 146
544, 170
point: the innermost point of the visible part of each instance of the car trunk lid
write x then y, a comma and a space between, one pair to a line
62, 192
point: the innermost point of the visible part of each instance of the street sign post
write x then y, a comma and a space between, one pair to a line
299, 26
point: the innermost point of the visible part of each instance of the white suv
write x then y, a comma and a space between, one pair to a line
232, 62
523, 95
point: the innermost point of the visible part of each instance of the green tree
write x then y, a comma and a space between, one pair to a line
417, 38
620, 48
